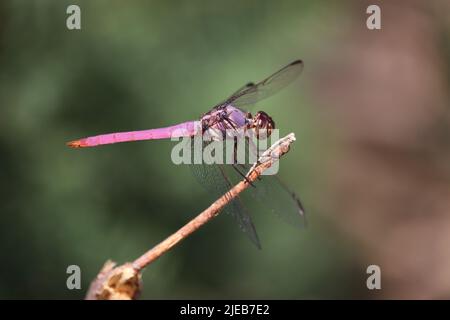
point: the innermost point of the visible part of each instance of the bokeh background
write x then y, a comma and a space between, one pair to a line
371, 163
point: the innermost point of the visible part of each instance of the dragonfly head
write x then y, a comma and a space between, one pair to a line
263, 124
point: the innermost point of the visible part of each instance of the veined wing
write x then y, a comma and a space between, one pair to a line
217, 180
252, 93
275, 196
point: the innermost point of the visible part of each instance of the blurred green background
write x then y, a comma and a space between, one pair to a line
144, 64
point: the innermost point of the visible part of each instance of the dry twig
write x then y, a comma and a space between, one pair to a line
124, 282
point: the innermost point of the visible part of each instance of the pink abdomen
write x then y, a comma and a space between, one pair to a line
185, 129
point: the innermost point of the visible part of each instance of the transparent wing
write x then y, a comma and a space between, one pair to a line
218, 181
252, 93
280, 200
275, 196
241, 89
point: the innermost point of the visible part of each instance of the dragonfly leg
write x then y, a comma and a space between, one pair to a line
235, 163
225, 118
246, 169
253, 148
243, 175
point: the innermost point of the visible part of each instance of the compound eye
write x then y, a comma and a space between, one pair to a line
263, 124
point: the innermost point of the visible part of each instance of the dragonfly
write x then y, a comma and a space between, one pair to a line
232, 114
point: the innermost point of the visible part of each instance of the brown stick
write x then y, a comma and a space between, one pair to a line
124, 281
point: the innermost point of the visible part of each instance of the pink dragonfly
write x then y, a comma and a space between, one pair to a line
229, 115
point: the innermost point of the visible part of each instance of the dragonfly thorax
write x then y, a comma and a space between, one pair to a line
229, 121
